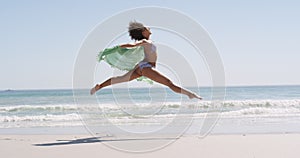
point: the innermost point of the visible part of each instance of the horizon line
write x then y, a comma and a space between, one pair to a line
271, 85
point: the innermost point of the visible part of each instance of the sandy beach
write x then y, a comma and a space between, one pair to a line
213, 146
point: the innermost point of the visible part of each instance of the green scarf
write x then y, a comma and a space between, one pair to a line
124, 58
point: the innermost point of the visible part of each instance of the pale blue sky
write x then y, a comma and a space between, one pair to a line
258, 40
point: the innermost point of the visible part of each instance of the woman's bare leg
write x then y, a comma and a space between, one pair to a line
156, 76
114, 80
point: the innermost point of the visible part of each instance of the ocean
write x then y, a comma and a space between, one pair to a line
245, 109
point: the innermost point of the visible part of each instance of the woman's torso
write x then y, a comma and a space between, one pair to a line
150, 52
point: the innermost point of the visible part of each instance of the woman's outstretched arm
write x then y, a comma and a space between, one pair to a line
129, 45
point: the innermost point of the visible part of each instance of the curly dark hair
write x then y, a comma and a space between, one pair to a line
135, 30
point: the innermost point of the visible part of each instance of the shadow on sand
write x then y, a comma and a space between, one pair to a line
95, 140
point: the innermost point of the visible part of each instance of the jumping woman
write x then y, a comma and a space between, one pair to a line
141, 35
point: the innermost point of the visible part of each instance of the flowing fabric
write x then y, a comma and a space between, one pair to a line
124, 58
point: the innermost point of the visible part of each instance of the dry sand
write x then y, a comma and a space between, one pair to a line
213, 146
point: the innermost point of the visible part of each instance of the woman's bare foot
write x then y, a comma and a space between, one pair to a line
193, 95
95, 89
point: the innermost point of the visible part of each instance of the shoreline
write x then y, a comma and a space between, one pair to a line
81, 130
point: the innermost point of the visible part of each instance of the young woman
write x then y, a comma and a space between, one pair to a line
141, 35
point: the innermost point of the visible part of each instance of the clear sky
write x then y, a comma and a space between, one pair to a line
258, 40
